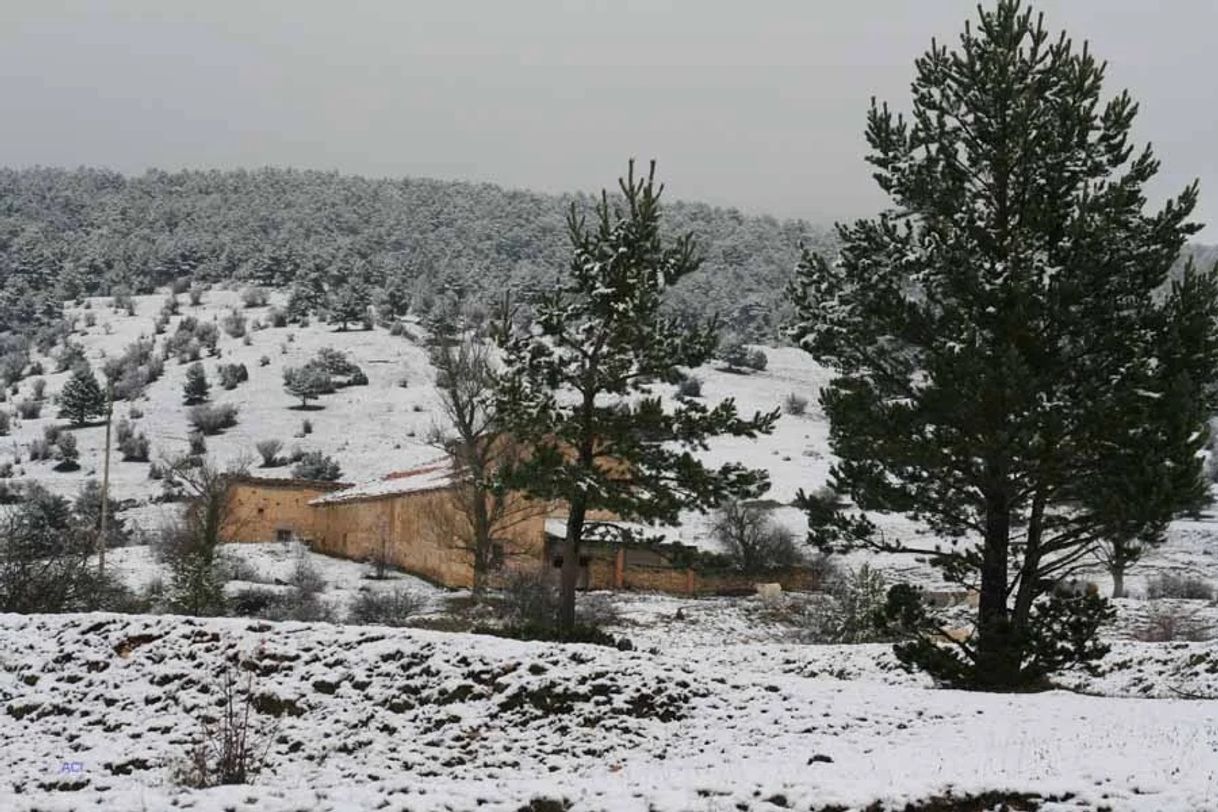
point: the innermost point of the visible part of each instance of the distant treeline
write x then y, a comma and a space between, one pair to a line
70, 233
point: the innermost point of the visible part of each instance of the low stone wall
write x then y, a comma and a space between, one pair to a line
616, 573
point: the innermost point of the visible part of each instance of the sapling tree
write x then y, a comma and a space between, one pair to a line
576, 385
1014, 370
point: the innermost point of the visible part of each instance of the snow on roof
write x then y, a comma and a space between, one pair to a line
433, 476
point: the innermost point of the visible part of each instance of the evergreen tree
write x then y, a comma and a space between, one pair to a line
349, 301
395, 296
82, 398
308, 382
1008, 374
196, 387
576, 388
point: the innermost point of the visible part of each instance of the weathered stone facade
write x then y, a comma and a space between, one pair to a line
414, 521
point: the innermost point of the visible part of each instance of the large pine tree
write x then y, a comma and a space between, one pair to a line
578, 386
82, 398
1010, 372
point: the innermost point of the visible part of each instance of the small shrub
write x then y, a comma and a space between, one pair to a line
170, 306
264, 361
529, 598
40, 388
233, 374
1179, 586
397, 329
180, 285
306, 426
691, 387
230, 749
5, 421
1169, 621
195, 389
276, 317
795, 404
316, 465
133, 446
29, 409
852, 611
196, 296
305, 576
90, 319
66, 452
122, 301
385, 608
208, 335
198, 445
269, 451
254, 297
209, 419
234, 323
40, 449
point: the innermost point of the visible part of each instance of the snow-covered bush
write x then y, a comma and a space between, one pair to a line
691, 387
852, 611
795, 404
66, 452
234, 323
529, 598
1179, 586
209, 419
254, 297
132, 445
385, 608
232, 374
316, 465
269, 451
306, 577
195, 389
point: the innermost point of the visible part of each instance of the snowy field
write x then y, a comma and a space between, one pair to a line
372, 718
720, 706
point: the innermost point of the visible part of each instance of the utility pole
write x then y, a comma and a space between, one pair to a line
105, 488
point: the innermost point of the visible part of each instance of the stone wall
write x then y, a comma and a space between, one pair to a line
424, 533
262, 509
619, 571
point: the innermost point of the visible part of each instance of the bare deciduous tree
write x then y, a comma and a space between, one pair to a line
472, 437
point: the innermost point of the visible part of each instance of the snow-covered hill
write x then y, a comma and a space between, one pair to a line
382, 427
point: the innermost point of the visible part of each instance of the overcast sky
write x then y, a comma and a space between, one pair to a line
754, 104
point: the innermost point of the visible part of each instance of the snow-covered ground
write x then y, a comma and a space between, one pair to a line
101, 709
718, 707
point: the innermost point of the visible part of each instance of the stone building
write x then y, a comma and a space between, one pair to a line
413, 520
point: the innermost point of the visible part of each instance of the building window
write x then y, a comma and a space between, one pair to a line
283, 535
